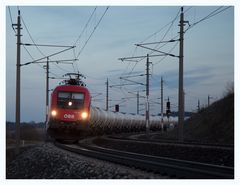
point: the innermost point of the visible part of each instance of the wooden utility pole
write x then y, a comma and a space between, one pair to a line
147, 83
147, 95
18, 111
47, 89
47, 93
209, 97
162, 103
181, 89
138, 102
107, 86
198, 105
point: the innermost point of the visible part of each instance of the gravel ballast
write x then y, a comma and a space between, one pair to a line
46, 161
197, 154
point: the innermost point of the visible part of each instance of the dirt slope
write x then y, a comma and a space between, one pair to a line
213, 124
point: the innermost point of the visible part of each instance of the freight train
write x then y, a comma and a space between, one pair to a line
71, 116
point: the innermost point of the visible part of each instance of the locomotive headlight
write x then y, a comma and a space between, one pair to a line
70, 103
84, 115
54, 113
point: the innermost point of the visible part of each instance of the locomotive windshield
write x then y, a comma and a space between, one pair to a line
70, 100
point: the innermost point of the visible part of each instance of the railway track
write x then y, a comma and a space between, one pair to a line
173, 142
172, 167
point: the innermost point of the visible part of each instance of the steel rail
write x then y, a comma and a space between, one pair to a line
172, 167
174, 142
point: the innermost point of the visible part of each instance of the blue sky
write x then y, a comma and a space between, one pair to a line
208, 54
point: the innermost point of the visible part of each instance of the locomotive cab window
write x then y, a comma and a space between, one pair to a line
70, 100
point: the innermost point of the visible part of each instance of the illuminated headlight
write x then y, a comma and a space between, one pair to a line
54, 113
84, 115
70, 103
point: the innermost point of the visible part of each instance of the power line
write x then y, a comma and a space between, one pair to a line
169, 28
56, 75
75, 71
10, 14
156, 47
86, 25
31, 37
211, 14
64, 70
31, 56
170, 23
79, 37
36, 45
158, 43
188, 9
94, 29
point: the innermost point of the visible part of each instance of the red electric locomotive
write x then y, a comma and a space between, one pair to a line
70, 109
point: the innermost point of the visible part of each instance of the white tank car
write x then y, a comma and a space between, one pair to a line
106, 122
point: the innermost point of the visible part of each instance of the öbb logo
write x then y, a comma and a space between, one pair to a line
69, 116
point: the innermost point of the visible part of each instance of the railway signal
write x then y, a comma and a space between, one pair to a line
168, 109
117, 108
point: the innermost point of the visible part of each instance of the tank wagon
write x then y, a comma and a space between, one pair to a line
72, 117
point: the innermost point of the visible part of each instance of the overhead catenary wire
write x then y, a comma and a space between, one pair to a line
169, 28
211, 14
94, 29
136, 63
30, 36
170, 24
10, 14
85, 27
80, 35
62, 69
27, 51
37, 47
162, 28
189, 8
56, 75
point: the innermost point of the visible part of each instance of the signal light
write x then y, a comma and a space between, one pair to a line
168, 110
168, 105
117, 108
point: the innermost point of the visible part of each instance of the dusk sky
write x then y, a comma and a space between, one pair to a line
208, 54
